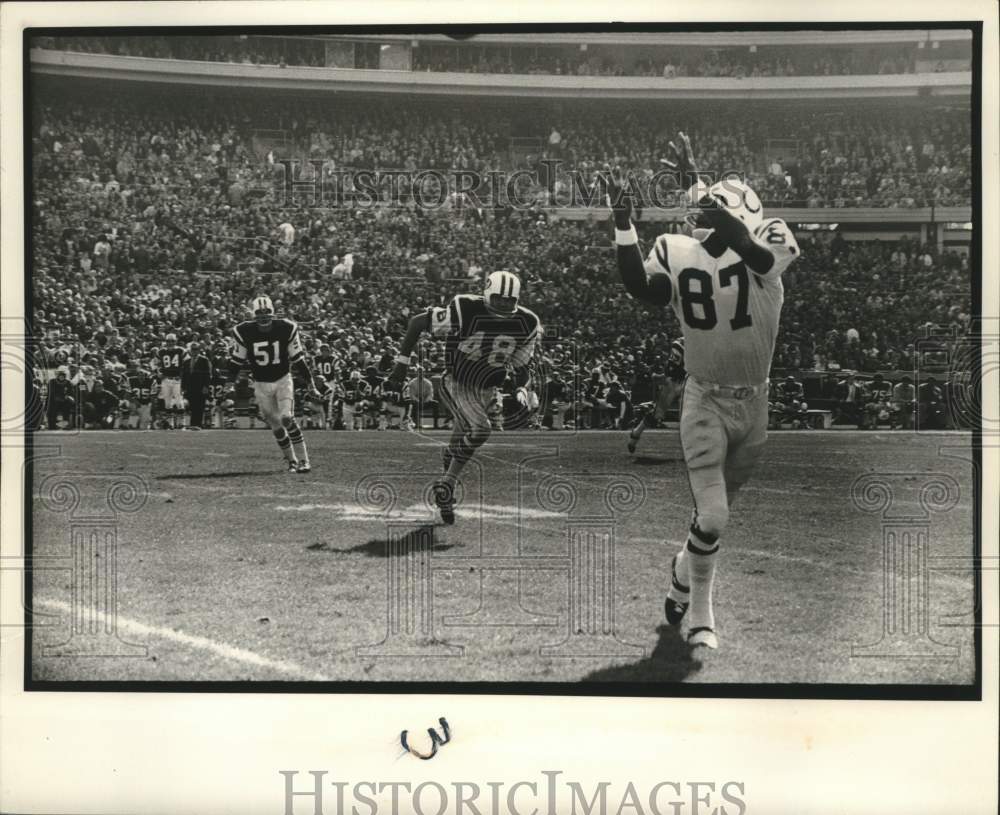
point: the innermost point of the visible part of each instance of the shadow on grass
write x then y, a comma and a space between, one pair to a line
671, 661
652, 461
379, 547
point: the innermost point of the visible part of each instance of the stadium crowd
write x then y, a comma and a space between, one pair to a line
156, 217
667, 62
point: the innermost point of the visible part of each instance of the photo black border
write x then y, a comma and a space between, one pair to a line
735, 690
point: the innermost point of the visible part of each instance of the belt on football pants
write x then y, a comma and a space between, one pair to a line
732, 391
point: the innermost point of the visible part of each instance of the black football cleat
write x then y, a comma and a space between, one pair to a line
446, 458
444, 500
676, 604
632, 442
303, 466
293, 466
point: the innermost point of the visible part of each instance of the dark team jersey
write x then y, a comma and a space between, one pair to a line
60, 390
595, 390
374, 385
480, 344
220, 379
141, 385
789, 391
116, 383
325, 367
270, 354
170, 360
356, 390
879, 391
390, 393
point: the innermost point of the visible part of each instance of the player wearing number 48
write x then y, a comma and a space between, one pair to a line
271, 347
484, 337
723, 281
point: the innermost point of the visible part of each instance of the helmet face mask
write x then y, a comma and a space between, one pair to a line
502, 292
501, 304
263, 311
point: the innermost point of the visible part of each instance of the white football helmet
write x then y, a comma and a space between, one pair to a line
736, 196
263, 310
170, 338
502, 291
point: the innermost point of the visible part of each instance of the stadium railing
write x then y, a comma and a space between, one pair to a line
102, 66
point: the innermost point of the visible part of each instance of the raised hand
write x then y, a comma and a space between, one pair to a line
620, 204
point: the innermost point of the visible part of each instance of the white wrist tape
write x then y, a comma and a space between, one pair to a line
626, 237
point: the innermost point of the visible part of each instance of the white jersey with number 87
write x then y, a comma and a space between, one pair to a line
728, 313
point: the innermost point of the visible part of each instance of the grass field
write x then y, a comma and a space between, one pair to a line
233, 569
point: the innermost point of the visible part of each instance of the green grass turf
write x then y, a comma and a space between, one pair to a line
234, 552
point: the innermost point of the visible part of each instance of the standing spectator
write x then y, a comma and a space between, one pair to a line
903, 402
848, 397
102, 254
525, 413
61, 403
555, 400
619, 404
594, 400
930, 405
418, 397
196, 383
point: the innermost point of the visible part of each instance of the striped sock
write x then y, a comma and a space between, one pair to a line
298, 443
700, 556
284, 443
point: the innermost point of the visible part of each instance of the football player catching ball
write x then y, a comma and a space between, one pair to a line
723, 282
484, 335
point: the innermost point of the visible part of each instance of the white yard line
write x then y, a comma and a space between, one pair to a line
230, 652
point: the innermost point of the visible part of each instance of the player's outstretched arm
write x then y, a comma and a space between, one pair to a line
629, 257
418, 324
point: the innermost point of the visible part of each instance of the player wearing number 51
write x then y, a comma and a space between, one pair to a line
271, 347
723, 281
484, 337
